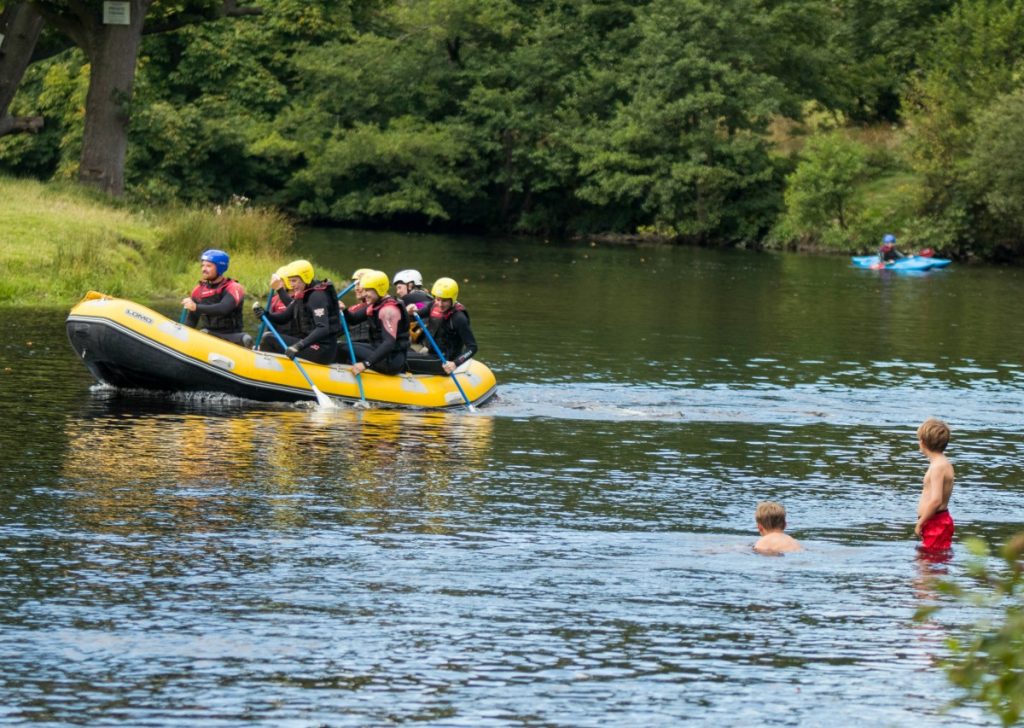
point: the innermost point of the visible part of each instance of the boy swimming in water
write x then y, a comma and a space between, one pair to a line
934, 524
771, 524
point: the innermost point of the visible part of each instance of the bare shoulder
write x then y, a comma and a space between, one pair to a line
944, 468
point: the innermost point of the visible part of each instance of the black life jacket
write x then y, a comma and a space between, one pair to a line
206, 293
440, 325
302, 321
373, 312
417, 296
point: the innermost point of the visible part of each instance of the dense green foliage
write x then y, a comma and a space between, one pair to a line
580, 117
988, 662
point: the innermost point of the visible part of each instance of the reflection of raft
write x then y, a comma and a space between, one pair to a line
910, 263
128, 345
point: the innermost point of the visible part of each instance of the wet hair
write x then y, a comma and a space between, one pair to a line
933, 434
771, 516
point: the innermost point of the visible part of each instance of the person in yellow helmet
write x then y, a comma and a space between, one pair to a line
313, 313
281, 298
358, 332
388, 325
448, 323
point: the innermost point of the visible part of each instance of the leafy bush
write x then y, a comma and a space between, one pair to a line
988, 662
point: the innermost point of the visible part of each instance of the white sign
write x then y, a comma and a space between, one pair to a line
117, 12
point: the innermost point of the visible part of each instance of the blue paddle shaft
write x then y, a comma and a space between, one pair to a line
351, 349
284, 349
263, 325
437, 350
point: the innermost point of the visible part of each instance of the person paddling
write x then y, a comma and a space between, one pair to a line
448, 323
313, 313
216, 302
388, 326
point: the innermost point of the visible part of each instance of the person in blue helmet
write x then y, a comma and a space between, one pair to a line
215, 304
887, 253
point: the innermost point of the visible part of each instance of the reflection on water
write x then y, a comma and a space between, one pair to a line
199, 472
576, 553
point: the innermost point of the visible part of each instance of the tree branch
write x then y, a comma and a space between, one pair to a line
20, 124
70, 23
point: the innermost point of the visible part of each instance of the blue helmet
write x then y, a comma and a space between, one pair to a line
218, 257
890, 238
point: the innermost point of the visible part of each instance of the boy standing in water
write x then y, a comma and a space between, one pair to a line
771, 524
934, 524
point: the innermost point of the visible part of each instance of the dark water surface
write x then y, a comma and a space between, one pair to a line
577, 553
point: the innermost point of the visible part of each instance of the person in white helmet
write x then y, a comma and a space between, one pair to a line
414, 297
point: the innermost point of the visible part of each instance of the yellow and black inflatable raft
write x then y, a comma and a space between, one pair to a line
127, 345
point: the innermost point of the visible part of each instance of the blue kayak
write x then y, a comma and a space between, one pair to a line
910, 263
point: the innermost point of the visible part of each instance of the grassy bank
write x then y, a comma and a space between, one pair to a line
59, 241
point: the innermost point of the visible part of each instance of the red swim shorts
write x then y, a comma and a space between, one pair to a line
937, 532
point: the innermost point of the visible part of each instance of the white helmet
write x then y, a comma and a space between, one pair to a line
407, 276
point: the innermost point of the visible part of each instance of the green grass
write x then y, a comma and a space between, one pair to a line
58, 241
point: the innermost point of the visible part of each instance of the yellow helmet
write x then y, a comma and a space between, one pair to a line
445, 288
360, 272
375, 280
301, 268
282, 273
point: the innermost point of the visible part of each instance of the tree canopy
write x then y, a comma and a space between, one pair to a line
577, 117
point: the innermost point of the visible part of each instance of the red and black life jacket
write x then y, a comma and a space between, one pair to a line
440, 325
206, 293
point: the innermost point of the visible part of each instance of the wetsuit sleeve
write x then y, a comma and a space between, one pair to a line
389, 319
284, 296
460, 322
319, 303
355, 314
222, 308
284, 315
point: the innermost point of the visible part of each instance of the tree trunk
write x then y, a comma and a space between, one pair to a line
113, 52
20, 25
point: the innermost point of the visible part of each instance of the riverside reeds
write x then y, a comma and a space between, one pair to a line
58, 241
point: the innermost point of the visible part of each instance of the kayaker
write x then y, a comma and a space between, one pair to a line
409, 290
448, 323
388, 326
313, 314
887, 253
216, 302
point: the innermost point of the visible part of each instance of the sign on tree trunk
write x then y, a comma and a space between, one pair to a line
116, 12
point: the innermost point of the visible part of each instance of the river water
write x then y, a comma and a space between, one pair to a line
576, 553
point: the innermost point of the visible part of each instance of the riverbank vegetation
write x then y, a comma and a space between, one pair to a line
987, 662
61, 240
788, 124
